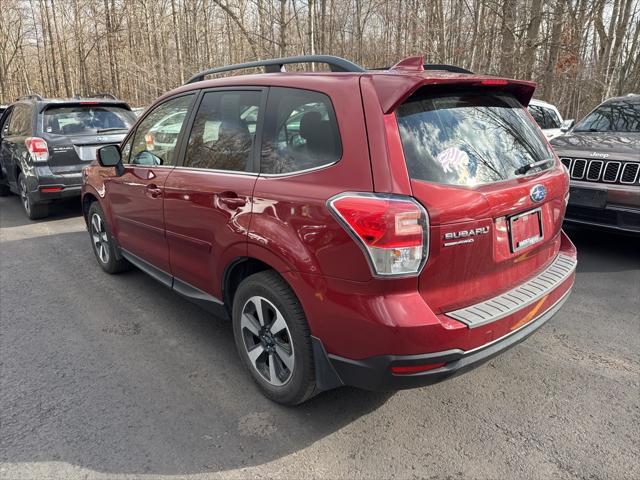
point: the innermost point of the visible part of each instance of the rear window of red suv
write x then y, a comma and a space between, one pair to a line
468, 138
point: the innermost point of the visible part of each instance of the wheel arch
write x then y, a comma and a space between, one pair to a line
237, 270
87, 199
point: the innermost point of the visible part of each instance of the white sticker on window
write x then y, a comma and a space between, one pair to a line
453, 159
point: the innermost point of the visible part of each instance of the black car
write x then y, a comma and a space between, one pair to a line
45, 144
602, 153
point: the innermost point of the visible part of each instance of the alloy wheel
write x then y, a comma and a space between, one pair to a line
267, 341
100, 238
24, 196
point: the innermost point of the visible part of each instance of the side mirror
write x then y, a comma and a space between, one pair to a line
567, 125
109, 156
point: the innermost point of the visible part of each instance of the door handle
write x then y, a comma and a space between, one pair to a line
231, 200
153, 190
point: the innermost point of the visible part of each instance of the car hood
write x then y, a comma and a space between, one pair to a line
617, 145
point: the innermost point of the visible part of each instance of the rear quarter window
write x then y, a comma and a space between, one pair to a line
300, 132
468, 138
20, 121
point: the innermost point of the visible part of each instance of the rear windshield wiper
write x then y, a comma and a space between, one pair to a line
525, 168
113, 129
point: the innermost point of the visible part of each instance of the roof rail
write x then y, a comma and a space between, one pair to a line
336, 64
30, 96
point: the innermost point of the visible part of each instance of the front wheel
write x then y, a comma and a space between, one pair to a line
273, 338
102, 242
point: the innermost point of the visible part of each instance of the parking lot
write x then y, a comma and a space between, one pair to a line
115, 376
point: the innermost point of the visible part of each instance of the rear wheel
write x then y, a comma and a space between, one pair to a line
102, 242
273, 338
33, 210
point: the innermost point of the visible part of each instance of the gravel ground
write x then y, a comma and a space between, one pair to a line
116, 377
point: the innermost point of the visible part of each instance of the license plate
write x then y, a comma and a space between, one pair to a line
525, 229
587, 197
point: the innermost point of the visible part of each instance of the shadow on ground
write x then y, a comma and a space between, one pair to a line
605, 251
13, 215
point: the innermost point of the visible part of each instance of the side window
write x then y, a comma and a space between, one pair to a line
224, 131
554, 121
20, 123
155, 140
300, 131
538, 115
4, 128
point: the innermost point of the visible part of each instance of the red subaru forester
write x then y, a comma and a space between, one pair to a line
381, 229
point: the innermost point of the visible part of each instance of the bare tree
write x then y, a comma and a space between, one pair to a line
580, 51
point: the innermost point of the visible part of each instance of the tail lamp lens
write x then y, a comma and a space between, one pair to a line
392, 230
37, 148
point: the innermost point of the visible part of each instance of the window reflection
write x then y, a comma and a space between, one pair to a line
468, 138
614, 116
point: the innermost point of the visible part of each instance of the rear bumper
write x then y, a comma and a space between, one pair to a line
426, 349
375, 373
45, 185
611, 218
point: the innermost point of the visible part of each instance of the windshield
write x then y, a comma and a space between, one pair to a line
544, 117
469, 138
616, 116
86, 119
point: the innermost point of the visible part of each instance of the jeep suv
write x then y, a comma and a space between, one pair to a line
381, 229
602, 154
45, 144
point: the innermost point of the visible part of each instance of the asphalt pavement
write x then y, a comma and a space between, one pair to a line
117, 377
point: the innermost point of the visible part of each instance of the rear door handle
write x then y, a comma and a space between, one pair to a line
231, 200
153, 190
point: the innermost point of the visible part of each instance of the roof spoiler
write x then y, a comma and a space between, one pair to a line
393, 90
108, 96
416, 64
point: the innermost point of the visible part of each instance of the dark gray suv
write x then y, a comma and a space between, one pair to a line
45, 144
602, 153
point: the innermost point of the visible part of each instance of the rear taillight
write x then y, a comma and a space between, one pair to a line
37, 148
393, 230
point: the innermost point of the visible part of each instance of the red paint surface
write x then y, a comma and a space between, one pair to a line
190, 231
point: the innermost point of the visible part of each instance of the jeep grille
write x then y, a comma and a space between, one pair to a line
606, 171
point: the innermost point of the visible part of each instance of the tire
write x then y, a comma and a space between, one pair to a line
283, 337
33, 210
102, 242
